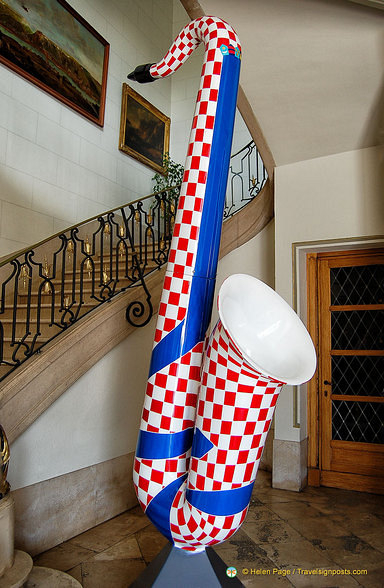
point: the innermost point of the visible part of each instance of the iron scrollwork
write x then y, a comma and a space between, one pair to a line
46, 289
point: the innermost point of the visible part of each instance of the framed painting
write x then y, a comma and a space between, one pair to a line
144, 130
51, 45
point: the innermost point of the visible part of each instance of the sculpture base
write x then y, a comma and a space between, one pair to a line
174, 568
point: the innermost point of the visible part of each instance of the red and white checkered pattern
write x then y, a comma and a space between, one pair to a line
169, 407
235, 409
150, 476
234, 412
214, 33
210, 30
171, 395
193, 530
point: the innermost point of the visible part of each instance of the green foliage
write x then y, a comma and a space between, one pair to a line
173, 175
169, 187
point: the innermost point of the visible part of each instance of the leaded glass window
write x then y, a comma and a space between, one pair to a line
358, 375
362, 422
357, 327
362, 284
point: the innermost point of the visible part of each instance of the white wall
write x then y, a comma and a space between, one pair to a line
56, 167
329, 198
98, 417
95, 420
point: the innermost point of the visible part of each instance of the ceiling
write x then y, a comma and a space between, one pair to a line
312, 71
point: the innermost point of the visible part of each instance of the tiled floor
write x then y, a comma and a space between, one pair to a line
286, 535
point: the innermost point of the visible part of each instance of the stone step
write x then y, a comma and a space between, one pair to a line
144, 265
45, 311
87, 292
27, 340
17, 575
41, 577
46, 330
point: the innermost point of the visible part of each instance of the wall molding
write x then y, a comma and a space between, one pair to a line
55, 510
305, 279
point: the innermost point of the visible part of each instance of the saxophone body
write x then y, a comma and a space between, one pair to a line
208, 403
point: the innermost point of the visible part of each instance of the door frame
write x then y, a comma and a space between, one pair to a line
303, 274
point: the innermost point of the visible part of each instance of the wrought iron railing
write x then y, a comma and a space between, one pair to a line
49, 287
247, 176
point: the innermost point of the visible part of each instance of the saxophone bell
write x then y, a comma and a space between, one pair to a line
266, 330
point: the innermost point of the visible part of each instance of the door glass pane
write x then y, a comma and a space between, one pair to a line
357, 329
362, 284
358, 375
362, 422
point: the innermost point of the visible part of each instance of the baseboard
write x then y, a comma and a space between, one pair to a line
289, 464
58, 509
313, 477
356, 482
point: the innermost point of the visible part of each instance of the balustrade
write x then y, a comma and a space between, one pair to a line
47, 288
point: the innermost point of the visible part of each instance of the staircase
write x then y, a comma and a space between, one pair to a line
48, 288
102, 271
43, 308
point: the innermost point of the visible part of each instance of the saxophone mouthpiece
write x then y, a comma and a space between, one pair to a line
141, 74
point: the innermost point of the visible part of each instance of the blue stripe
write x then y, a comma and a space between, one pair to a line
217, 178
163, 445
192, 330
198, 313
221, 502
203, 282
158, 510
201, 444
167, 350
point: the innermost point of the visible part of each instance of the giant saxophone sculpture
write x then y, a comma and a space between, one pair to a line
208, 406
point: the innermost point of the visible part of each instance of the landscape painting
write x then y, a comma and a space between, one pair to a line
52, 46
144, 130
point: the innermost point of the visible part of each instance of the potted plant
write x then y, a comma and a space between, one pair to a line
168, 185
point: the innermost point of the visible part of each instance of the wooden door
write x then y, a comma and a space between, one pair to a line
350, 383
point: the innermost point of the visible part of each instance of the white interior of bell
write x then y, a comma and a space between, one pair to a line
266, 329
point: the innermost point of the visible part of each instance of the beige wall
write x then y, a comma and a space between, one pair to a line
95, 420
313, 72
56, 167
329, 198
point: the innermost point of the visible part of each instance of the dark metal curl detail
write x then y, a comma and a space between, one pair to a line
137, 309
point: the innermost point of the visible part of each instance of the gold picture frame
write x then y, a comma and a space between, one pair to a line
144, 130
